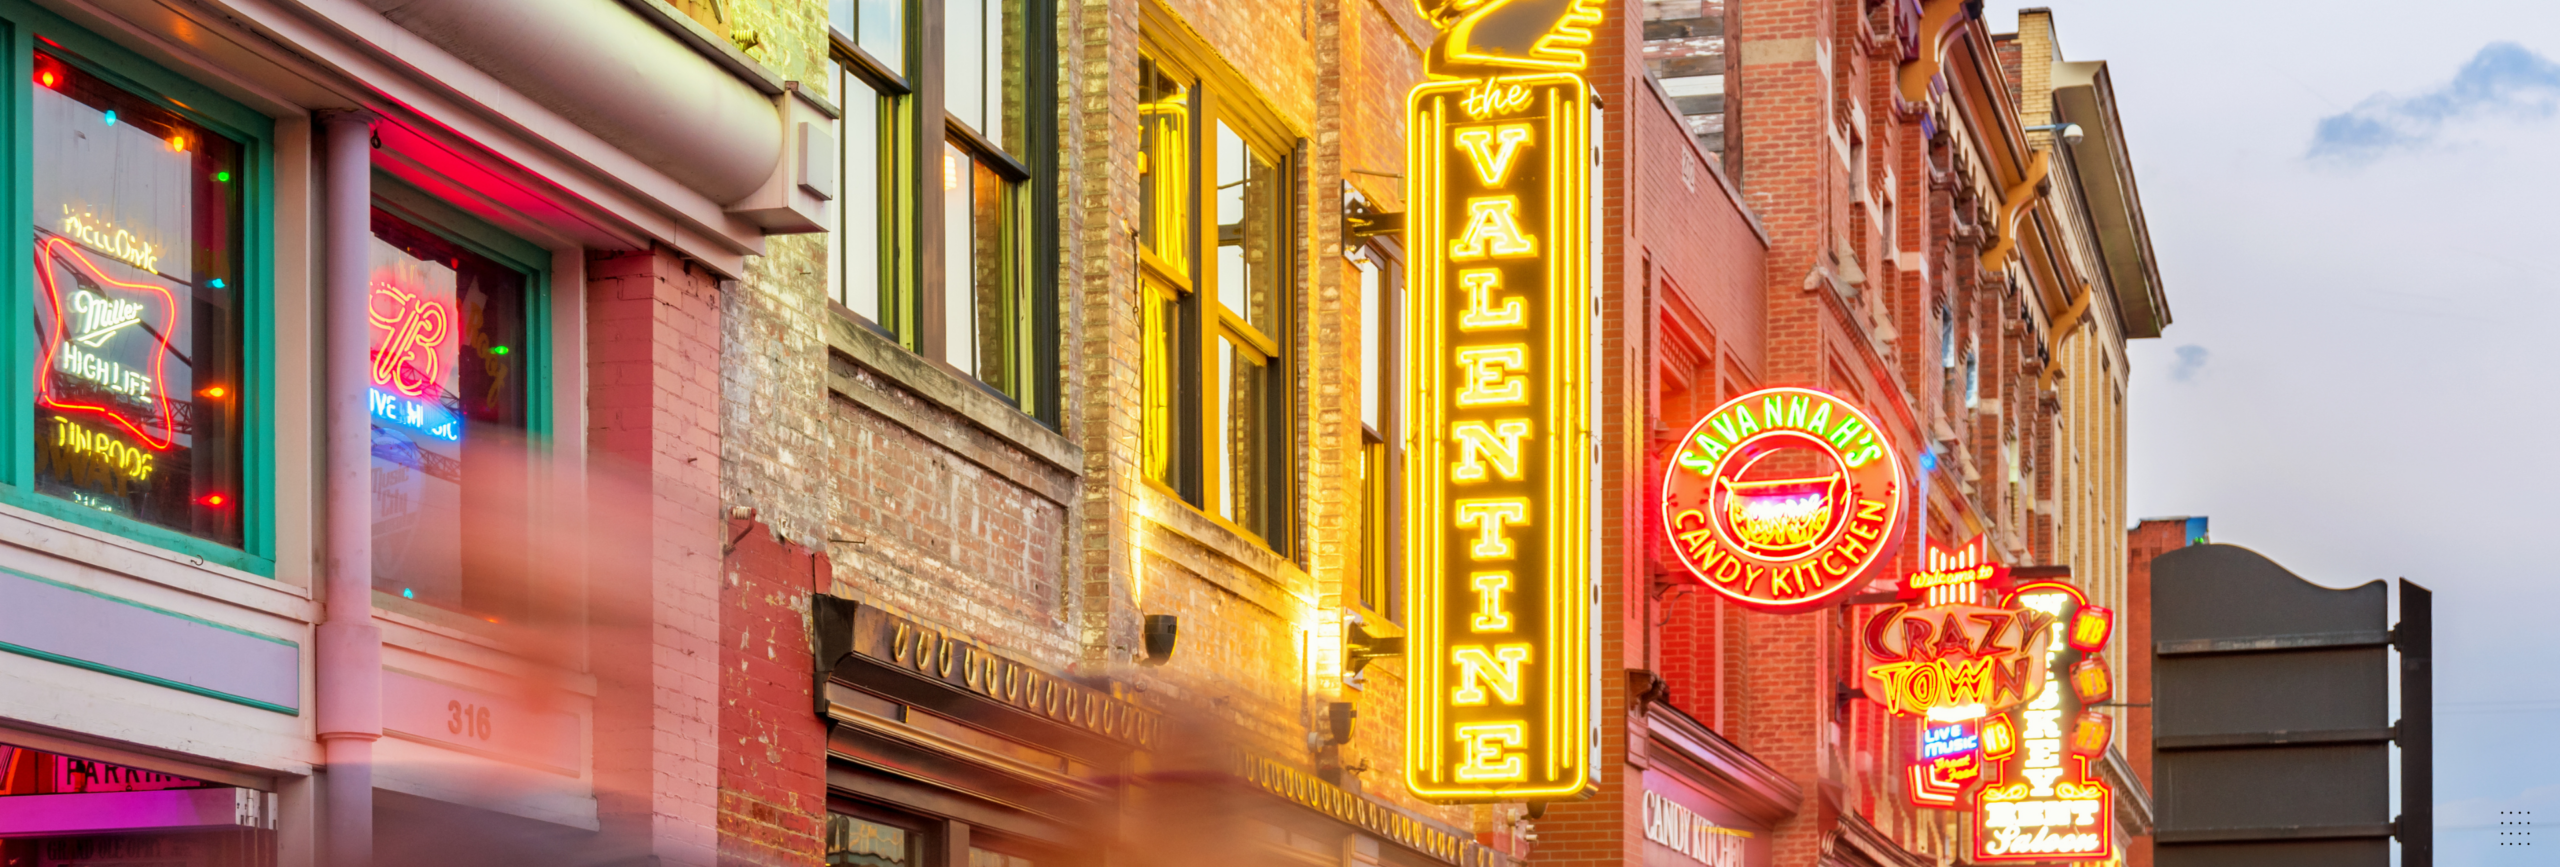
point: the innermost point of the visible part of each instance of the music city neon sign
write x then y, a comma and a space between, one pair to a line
1499, 522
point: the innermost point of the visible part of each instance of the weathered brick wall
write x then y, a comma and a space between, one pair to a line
653, 328
934, 517
773, 750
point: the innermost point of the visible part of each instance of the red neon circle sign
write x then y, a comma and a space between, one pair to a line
1784, 499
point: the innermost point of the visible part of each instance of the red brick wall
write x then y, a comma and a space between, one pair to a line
2146, 541
653, 392
773, 749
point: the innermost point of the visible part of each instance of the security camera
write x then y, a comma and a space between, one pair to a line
2072, 134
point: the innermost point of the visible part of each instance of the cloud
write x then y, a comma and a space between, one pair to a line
2504, 79
2191, 360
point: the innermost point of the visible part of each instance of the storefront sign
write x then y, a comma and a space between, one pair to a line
907, 646
1500, 516
1673, 825
105, 344
1784, 499
1955, 658
2045, 802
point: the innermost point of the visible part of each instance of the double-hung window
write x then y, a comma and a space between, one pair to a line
1377, 271
1215, 247
939, 238
139, 414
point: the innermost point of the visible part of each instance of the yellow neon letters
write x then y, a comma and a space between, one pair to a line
1479, 442
1490, 616
1480, 313
1493, 230
1486, 383
1480, 666
1489, 517
1488, 752
1490, 149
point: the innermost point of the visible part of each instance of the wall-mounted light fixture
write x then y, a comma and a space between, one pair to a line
1161, 629
2070, 133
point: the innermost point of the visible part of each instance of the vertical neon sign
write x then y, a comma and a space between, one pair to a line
1499, 524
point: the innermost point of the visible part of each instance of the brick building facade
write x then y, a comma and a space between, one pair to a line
967, 432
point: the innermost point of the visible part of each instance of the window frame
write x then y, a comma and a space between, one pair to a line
914, 300
1200, 330
541, 399
1382, 494
22, 25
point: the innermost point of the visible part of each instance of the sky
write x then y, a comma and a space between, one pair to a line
2350, 202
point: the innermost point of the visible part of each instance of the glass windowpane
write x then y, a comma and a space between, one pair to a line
856, 276
879, 26
448, 402
994, 268
137, 307
855, 842
1007, 121
1240, 434
959, 260
964, 62
1373, 345
1157, 317
1248, 199
1164, 166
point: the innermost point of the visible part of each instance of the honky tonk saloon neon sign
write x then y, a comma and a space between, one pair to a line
1784, 499
1499, 518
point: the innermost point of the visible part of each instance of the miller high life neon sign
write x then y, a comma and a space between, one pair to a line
1784, 499
88, 365
1499, 520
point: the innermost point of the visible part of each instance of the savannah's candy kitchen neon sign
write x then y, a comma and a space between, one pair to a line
1784, 499
1500, 522
2041, 800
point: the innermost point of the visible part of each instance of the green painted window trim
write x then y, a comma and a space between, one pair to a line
21, 24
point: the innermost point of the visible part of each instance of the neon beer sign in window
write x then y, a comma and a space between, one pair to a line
137, 307
1784, 499
449, 406
1500, 520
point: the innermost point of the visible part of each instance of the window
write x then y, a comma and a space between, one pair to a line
1378, 272
855, 841
1213, 310
450, 408
139, 263
941, 238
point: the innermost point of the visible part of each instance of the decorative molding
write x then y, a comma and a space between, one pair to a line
1939, 22
2013, 205
1752, 787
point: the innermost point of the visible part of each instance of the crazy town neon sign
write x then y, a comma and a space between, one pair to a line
88, 313
1784, 499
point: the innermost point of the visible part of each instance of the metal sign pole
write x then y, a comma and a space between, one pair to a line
2415, 638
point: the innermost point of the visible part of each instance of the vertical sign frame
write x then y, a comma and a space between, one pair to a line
1500, 520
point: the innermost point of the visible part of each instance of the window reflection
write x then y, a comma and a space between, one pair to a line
855, 842
448, 400
137, 307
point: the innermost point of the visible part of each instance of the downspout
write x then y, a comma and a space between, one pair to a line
350, 646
